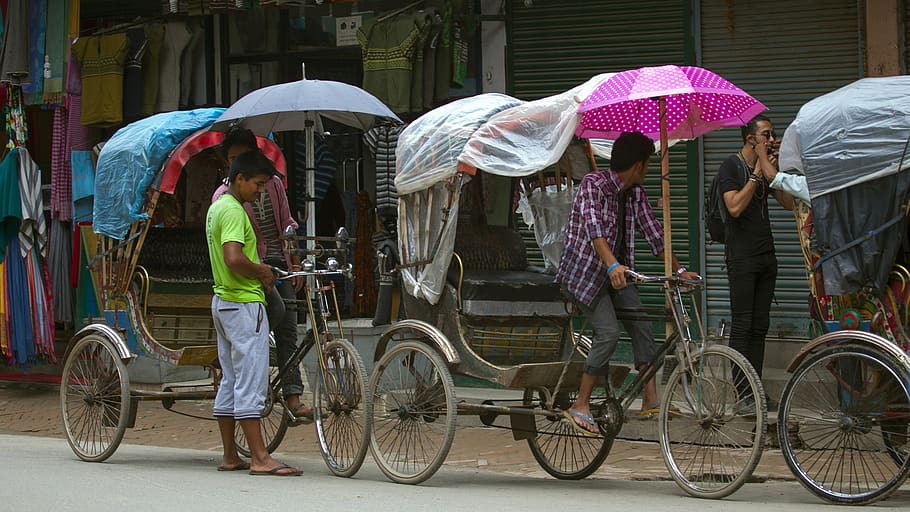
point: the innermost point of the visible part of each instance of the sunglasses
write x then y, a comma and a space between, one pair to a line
768, 134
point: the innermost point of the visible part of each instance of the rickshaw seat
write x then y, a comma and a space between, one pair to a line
178, 255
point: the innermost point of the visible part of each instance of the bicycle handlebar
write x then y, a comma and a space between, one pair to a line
284, 274
673, 279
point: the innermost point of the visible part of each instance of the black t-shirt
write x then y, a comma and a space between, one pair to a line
750, 233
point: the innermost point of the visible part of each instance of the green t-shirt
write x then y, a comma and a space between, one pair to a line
227, 222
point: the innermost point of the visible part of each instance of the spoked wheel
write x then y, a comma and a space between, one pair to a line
559, 449
849, 408
95, 398
711, 434
413, 410
343, 409
274, 422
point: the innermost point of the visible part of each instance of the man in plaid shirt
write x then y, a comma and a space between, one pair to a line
609, 207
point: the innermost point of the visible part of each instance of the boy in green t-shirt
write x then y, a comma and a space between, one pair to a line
238, 311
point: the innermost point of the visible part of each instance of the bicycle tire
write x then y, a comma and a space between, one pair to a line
343, 409
711, 442
828, 433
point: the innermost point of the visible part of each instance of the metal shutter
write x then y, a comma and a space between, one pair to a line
784, 56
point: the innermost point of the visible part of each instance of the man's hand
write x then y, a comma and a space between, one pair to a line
265, 276
690, 275
618, 277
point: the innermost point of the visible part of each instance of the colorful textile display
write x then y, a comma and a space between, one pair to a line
10, 202
61, 168
37, 19
57, 48
33, 229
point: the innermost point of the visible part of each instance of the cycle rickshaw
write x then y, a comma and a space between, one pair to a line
844, 414
151, 271
475, 309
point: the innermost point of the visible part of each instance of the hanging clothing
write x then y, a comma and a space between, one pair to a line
388, 51
61, 169
382, 141
78, 137
22, 333
324, 164
177, 36
57, 46
83, 168
192, 58
151, 62
33, 229
132, 74
101, 59
59, 259
10, 200
37, 19
14, 61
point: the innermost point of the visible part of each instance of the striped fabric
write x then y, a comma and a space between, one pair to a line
33, 230
61, 169
382, 141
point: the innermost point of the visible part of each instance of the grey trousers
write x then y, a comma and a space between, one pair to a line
243, 351
284, 324
602, 317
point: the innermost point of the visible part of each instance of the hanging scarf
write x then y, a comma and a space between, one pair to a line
15, 116
37, 19
10, 200
14, 61
6, 351
20, 318
33, 229
57, 44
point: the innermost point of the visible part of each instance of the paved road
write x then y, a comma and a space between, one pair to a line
43, 474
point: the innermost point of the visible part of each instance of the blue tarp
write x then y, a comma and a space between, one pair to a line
130, 161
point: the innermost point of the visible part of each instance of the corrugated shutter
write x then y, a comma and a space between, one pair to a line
555, 45
784, 56
906, 35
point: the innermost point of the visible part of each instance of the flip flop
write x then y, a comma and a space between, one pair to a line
654, 409
572, 415
295, 419
243, 466
276, 471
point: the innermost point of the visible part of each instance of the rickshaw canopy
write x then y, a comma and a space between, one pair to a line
851, 144
131, 160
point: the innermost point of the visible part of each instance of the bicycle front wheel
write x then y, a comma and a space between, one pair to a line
711, 435
343, 409
846, 412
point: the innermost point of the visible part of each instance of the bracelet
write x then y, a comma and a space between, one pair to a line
754, 179
681, 270
611, 267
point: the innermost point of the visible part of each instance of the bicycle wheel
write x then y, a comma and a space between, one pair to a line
846, 404
95, 398
274, 422
413, 410
559, 449
711, 441
342, 409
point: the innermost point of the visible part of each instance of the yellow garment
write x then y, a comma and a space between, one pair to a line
102, 59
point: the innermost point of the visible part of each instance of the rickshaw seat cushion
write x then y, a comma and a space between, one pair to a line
510, 285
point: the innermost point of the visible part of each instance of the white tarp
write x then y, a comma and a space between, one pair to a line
851, 135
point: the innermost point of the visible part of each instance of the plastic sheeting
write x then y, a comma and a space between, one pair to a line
547, 212
130, 161
429, 147
529, 137
849, 144
849, 136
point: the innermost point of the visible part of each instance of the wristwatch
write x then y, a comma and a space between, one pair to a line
681, 270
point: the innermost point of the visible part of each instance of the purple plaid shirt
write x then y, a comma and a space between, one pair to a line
595, 212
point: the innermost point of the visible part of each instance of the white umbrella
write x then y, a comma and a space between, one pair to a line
301, 105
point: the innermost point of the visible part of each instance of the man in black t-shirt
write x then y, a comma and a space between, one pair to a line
751, 262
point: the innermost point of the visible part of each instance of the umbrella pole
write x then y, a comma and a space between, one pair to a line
665, 187
310, 128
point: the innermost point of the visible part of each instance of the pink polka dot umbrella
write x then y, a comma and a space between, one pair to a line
697, 102
678, 102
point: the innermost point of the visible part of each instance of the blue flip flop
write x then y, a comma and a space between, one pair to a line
572, 415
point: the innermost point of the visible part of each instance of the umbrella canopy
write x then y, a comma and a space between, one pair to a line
301, 105
288, 106
697, 102
679, 102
